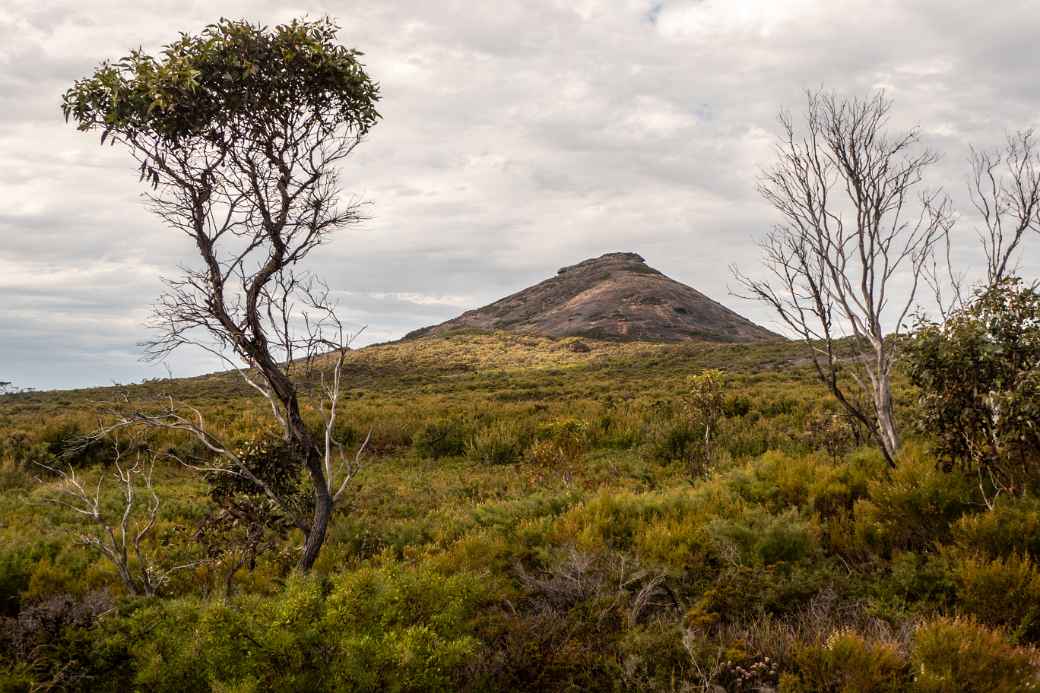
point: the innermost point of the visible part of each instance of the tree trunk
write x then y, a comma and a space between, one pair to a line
888, 436
301, 437
322, 513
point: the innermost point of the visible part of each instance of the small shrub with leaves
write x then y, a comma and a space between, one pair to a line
441, 438
846, 661
559, 445
979, 377
246, 522
501, 442
962, 656
1001, 592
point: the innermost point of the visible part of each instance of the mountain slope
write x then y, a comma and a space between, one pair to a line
615, 296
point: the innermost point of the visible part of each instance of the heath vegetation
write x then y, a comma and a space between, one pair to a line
489, 511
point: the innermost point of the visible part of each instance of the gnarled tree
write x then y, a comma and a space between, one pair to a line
239, 131
855, 238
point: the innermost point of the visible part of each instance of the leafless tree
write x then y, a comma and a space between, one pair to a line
120, 536
847, 260
1004, 187
1005, 190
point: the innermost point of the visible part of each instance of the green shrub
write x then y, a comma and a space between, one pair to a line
913, 508
13, 477
979, 376
15, 573
737, 405
776, 406
54, 647
502, 442
738, 594
676, 440
961, 656
1001, 592
756, 537
618, 429
559, 445
441, 438
403, 630
780, 481
849, 663
67, 444
391, 628
389, 434
917, 582
1013, 526
653, 655
626, 521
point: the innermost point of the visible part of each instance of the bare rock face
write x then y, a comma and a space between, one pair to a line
615, 296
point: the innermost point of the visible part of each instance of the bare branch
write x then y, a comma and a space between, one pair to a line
1005, 191
119, 538
849, 236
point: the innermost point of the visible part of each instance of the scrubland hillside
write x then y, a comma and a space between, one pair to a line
534, 514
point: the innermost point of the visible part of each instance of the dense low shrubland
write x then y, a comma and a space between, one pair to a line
531, 517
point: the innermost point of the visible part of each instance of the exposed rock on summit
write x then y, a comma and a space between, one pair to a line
615, 296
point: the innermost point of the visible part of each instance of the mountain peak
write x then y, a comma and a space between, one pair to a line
607, 260
613, 296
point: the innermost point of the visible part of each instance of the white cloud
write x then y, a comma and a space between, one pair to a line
726, 19
517, 138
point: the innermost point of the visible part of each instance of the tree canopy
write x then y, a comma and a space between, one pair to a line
230, 79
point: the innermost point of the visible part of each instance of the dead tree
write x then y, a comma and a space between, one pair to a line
240, 132
119, 536
847, 260
1005, 190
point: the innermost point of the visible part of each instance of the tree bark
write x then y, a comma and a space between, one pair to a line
322, 512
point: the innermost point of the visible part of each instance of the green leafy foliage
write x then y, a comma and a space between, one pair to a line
444, 438
230, 76
960, 655
246, 521
847, 661
979, 375
1001, 592
500, 442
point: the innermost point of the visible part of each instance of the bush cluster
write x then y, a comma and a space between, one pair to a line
557, 540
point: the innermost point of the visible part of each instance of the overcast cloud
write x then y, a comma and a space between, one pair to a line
516, 137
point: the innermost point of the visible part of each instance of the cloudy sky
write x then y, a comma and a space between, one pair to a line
517, 137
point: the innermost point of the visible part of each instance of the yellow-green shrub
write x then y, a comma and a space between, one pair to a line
848, 663
501, 442
1003, 591
401, 629
962, 656
912, 507
441, 438
1013, 526
757, 537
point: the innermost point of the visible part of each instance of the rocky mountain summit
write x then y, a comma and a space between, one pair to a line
614, 296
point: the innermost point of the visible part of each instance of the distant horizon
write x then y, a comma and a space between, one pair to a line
218, 368
514, 139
